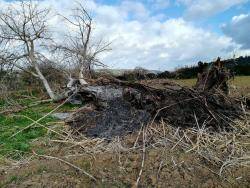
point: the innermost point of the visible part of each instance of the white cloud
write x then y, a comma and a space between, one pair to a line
197, 9
166, 45
140, 39
134, 9
159, 4
239, 18
238, 29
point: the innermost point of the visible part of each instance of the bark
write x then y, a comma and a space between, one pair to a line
33, 61
81, 76
213, 78
46, 85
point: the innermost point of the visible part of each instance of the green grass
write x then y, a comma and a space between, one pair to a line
21, 144
241, 81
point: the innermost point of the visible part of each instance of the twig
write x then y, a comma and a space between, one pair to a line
179, 141
42, 117
137, 138
158, 172
214, 172
68, 163
143, 157
20, 108
39, 124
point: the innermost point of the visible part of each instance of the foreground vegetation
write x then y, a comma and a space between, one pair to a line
15, 146
158, 156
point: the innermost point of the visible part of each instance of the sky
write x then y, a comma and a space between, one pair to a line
163, 34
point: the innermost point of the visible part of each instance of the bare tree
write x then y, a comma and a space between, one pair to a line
79, 47
23, 29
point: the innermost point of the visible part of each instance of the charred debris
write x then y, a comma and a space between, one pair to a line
117, 108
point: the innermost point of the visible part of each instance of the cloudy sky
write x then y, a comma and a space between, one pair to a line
164, 34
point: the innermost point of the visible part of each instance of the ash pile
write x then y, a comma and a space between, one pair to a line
117, 108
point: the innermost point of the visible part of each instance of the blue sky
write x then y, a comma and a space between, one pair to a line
175, 9
165, 34
214, 17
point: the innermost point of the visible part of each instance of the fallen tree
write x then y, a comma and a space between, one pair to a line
116, 108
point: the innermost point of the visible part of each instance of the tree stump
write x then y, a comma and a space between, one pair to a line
214, 77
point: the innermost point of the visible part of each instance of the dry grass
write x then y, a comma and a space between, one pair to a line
150, 157
158, 155
239, 86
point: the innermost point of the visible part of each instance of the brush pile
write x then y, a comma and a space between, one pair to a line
116, 108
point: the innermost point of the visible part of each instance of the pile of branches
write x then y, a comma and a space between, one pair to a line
116, 108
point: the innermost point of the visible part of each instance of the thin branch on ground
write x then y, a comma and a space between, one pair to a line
68, 163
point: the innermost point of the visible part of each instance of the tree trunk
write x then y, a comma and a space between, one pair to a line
39, 73
45, 84
81, 76
213, 78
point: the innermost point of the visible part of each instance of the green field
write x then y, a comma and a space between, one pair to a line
239, 86
240, 81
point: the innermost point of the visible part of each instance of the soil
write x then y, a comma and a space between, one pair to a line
164, 167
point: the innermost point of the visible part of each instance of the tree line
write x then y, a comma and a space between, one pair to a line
238, 66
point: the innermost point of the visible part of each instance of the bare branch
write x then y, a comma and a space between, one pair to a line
80, 46
22, 29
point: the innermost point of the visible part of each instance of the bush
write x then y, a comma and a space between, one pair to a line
54, 76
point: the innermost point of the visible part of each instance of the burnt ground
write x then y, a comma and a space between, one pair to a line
119, 108
117, 119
